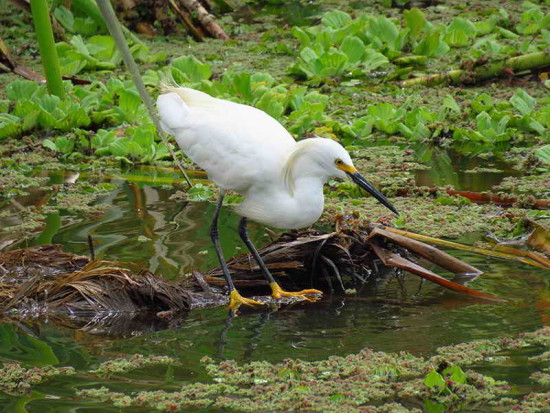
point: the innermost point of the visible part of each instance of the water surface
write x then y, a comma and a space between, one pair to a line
143, 225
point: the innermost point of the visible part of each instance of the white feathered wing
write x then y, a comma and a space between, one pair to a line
240, 147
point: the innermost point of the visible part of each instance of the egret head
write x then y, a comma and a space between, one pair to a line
328, 157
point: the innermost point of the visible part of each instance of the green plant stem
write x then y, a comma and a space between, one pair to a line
46, 44
515, 64
114, 28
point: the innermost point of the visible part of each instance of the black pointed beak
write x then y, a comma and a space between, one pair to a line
367, 186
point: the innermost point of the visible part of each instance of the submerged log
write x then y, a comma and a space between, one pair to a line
507, 67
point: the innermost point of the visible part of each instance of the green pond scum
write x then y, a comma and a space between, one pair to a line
357, 72
369, 381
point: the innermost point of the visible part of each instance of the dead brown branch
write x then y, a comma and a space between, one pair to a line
207, 21
391, 259
185, 18
432, 254
9, 64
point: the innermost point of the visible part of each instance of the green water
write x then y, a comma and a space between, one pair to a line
170, 238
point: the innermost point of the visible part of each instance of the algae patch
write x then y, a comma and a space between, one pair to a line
369, 381
17, 379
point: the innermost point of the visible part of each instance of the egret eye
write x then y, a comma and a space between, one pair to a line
339, 162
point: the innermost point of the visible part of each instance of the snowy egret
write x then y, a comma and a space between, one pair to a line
245, 150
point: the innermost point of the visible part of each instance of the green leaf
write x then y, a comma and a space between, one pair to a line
49, 103
486, 26
457, 38
144, 136
411, 60
102, 138
450, 103
432, 45
21, 89
523, 102
502, 124
481, 103
463, 25
129, 106
64, 145
384, 30
242, 86
79, 45
543, 153
460, 32
507, 33
307, 54
536, 126
120, 147
415, 21
124, 159
433, 407
65, 17
70, 61
269, 104
373, 60
191, 69
103, 48
354, 49
86, 26
456, 374
302, 36
333, 62
484, 121
434, 379
421, 132
262, 79
200, 192
10, 125
336, 19
48, 143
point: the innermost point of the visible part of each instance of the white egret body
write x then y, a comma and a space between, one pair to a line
245, 150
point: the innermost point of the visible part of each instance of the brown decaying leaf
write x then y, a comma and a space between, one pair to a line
427, 251
539, 238
391, 259
533, 259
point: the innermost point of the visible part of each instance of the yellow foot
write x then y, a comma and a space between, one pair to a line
236, 300
278, 292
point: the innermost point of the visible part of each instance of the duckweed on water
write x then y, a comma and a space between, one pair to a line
363, 382
19, 380
535, 185
428, 216
479, 169
137, 361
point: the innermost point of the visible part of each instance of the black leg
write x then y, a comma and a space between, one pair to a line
277, 291
215, 235
244, 236
235, 299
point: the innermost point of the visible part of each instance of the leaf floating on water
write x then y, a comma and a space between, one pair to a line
391, 259
427, 251
476, 250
